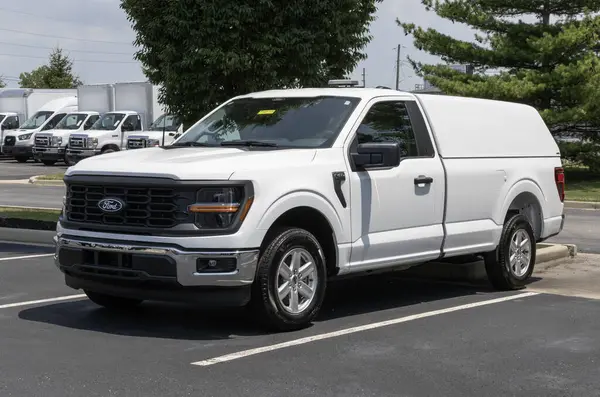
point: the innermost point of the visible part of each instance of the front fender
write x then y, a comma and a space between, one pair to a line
303, 199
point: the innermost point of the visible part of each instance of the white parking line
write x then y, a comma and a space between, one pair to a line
314, 338
12, 258
50, 300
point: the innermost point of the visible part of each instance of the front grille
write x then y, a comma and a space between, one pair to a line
43, 140
136, 143
152, 207
77, 142
9, 141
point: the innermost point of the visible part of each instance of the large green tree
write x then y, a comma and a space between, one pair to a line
58, 73
544, 53
204, 52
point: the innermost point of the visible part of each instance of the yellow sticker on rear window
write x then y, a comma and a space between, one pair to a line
266, 112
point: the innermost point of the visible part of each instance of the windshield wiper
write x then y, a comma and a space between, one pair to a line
192, 143
248, 143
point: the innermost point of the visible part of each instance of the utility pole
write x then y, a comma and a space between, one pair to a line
364, 77
398, 67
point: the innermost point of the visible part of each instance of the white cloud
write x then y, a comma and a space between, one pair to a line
103, 20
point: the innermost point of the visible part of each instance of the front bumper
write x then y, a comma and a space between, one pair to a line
154, 272
49, 153
18, 151
80, 154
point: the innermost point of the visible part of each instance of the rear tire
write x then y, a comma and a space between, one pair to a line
511, 264
112, 302
285, 266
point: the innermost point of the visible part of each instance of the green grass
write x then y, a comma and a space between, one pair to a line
29, 213
52, 177
582, 185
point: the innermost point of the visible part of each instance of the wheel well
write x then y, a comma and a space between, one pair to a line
314, 222
527, 204
110, 146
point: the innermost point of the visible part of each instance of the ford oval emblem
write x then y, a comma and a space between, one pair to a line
111, 205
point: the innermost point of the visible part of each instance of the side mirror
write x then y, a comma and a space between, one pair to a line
127, 127
377, 155
171, 134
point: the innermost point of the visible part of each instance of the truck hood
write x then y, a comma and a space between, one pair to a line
59, 132
191, 163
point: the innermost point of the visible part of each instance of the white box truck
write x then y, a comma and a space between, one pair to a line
43, 109
133, 112
163, 131
94, 100
273, 194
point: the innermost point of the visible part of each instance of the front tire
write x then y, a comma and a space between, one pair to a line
512, 263
112, 302
291, 280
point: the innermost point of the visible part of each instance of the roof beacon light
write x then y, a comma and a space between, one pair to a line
343, 83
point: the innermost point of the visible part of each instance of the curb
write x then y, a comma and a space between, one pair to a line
36, 181
475, 271
582, 205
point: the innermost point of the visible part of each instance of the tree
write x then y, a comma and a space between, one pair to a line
550, 63
58, 73
205, 52
2, 83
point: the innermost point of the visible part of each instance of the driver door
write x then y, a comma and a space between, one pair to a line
396, 211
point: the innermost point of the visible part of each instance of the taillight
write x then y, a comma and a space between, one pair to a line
559, 178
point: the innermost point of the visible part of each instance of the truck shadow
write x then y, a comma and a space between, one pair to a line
360, 296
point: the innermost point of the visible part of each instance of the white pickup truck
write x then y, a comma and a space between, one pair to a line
274, 193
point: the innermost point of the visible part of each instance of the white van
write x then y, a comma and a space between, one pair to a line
274, 193
19, 143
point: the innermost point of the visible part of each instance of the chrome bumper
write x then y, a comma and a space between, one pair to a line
185, 261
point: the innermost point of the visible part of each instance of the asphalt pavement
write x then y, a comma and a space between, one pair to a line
30, 195
376, 336
13, 170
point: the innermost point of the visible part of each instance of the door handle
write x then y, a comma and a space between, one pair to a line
423, 180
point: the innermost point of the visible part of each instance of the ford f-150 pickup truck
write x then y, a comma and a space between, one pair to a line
273, 194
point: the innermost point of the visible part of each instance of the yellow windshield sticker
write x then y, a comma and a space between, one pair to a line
266, 112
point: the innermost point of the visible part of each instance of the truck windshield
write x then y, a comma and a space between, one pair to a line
71, 122
169, 122
36, 121
299, 122
108, 122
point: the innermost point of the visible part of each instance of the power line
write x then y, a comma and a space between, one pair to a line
37, 15
65, 38
66, 49
74, 60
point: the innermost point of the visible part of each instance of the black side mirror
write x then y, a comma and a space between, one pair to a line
377, 155
171, 134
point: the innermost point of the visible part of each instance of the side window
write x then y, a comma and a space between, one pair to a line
133, 123
389, 121
90, 121
12, 122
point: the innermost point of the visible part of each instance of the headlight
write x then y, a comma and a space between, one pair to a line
25, 137
152, 142
92, 143
56, 141
219, 207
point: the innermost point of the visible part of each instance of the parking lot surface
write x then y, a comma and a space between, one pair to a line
378, 336
12, 170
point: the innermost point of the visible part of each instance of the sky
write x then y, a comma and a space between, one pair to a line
98, 37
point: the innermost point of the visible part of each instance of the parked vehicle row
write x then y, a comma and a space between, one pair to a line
68, 125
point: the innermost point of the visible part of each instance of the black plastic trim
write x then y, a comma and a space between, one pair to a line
338, 179
182, 230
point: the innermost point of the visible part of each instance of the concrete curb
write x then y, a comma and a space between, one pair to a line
582, 205
550, 254
26, 236
36, 181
